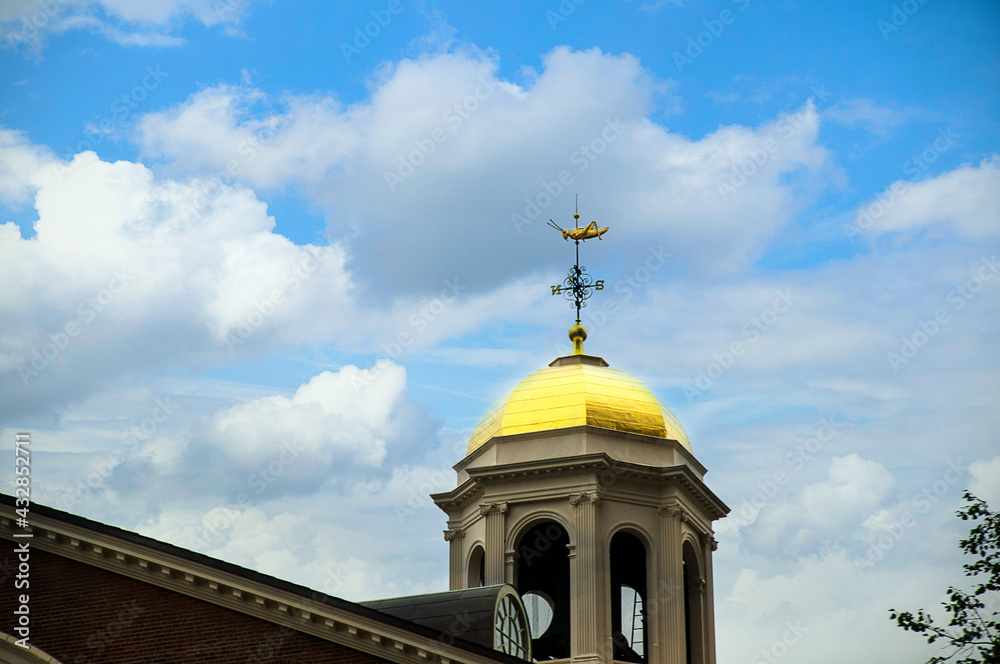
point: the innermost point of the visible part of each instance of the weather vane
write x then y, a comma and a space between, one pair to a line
578, 284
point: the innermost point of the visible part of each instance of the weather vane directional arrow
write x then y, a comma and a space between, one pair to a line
578, 285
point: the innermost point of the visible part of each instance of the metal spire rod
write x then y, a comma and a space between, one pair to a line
577, 285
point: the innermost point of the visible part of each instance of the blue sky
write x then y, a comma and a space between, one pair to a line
224, 225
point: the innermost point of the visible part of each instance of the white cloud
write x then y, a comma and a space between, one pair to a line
22, 166
812, 608
879, 120
986, 481
171, 271
298, 542
967, 199
854, 485
443, 134
27, 24
343, 416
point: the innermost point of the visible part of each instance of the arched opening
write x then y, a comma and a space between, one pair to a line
543, 570
628, 598
694, 602
477, 568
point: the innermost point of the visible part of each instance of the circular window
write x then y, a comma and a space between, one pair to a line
539, 608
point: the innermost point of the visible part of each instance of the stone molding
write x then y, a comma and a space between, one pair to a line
681, 476
255, 598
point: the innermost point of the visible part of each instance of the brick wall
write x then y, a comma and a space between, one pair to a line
85, 615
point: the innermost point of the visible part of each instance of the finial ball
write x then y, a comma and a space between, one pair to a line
578, 334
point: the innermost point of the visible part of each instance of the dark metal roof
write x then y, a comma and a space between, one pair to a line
307, 594
468, 614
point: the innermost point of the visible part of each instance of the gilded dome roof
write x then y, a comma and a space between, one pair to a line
576, 390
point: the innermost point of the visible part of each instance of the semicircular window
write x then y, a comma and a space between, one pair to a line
511, 632
539, 609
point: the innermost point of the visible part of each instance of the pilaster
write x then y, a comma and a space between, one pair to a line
709, 544
495, 545
457, 577
588, 580
670, 595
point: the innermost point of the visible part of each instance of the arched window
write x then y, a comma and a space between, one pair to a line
628, 598
510, 630
543, 570
477, 568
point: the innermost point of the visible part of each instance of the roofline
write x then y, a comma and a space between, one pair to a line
578, 428
127, 561
470, 488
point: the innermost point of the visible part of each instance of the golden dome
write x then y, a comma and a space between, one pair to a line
576, 390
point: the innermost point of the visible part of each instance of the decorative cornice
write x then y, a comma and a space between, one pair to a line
574, 430
468, 492
681, 476
314, 616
